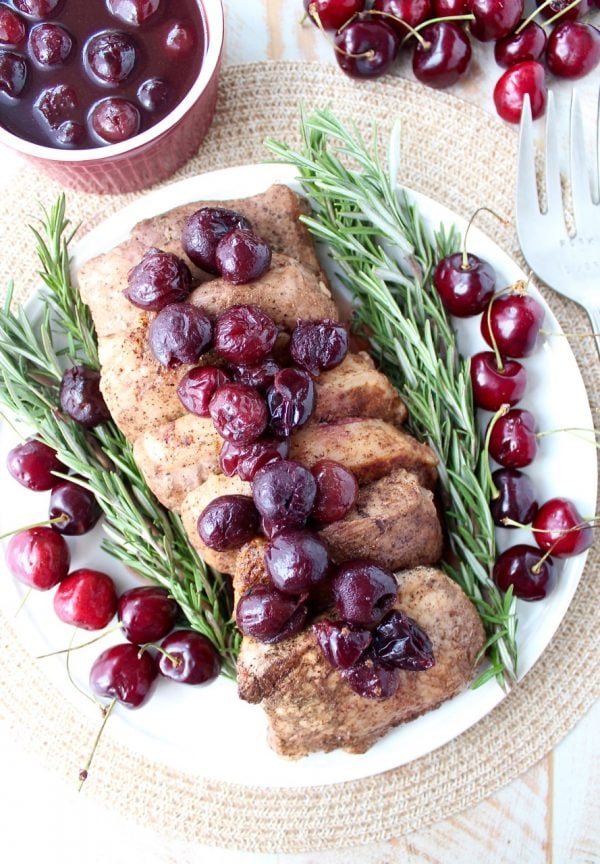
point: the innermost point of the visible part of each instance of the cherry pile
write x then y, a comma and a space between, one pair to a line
370, 35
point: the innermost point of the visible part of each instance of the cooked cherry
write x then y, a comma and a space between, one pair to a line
529, 44
38, 557
57, 104
203, 230
522, 79
75, 502
371, 679
246, 459
36, 8
146, 614
493, 387
13, 73
70, 134
239, 413
198, 386
399, 642
134, 12
494, 18
228, 522
284, 494
259, 375
318, 346
573, 49
366, 48
50, 44
522, 567
180, 333
515, 321
32, 464
444, 57
291, 401
242, 256
513, 439
297, 561
12, 28
188, 657
159, 279
557, 6
516, 499
337, 491
560, 529
363, 591
332, 13
115, 120
412, 12
154, 94
111, 56
465, 289
86, 599
80, 396
244, 334
341, 644
124, 673
179, 41
268, 615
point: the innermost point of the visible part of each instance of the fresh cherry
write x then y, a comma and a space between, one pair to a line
444, 56
203, 230
560, 6
198, 386
50, 44
573, 49
297, 561
337, 491
146, 614
443, 8
399, 642
522, 79
370, 679
38, 557
363, 592
514, 320
242, 256
531, 576
115, 120
318, 346
239, 413
188, 657
110, 56
516, 498
13, 73
268, 615
529, 44
492, 386
341, 644
125, 674
80, 396
159, 279
33, 464
244, 334
559, 529
331, 14
284, 494
513, 439
180, 333
494, 18
366, 48
291, 401
86, 599
75, 502
246, 459
228, 522
12, 27
465, 286
411, 12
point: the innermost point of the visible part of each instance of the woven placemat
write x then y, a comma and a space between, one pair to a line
464, 158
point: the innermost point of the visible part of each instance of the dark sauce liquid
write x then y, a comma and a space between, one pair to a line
156, 56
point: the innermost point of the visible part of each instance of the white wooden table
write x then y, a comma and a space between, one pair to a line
547, 815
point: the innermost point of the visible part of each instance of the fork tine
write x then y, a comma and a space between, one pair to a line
527, 197
554, 202
581, 190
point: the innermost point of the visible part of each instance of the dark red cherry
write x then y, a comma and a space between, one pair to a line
13, 73
337, 491
115, 120
331, 14
179, 41
318, 346
228, 522
239, 413
159, 279
412, 12
557, 6
198, 386
297, 561
516, 498
522, 567
443, 8
363, 591
465, 289
370, 679
110, 56
56, 104
493, 387
260, 375
75, 502
86, 599
284, 493
38, 557
291, 401
341, 644
244, 334
70, 134
573, 49
246, 459
146, 614
399, 642
50, 44
242, 256
134, 12
522, 79
444, 57
80, 396
203, 230
366, 48
124, 673
154, 94
515, 321
560, 529
12, 27
268, 615
36, 8
180, 333
513, 439
188, 657
494, 18
529, 44
32, 464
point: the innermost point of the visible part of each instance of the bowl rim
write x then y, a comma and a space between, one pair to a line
214, 22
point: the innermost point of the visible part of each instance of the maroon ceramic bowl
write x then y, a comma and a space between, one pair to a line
152, 155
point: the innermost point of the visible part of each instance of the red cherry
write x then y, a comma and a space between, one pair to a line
87, 599
513, 440
493, 387
332, 13
12, 27
32, 464
465, 291
523, 79
529, 44
337, 491
446, 56
494, 18
188, 658
366, 48
560, 529
516, 498
146, 614
557, 6
38, 557
341, 644
515, 321
573, 49
413, 12
125, 674
443, 8
522, 567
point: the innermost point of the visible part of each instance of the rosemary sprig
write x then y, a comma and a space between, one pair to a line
385, 256
139, 531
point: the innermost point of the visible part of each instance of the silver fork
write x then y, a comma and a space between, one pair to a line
568, 264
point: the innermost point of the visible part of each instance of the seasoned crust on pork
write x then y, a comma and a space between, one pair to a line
356, 388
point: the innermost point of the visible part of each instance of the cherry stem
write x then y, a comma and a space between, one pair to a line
538, 9
176, 661
569, 335
502, 410
12, 426
314, 14
594, 432
58, 520
72, 647
414, 31
69, 675
465, 258
562, 12
24, 600
537, 567
106, 711
592, 522
488, 315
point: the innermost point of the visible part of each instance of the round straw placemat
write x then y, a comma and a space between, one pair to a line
462, 157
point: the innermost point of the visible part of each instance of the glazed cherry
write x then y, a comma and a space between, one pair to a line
56, 104
284, 493
146, 614
179, 41
110, 56
198, 386
341, 644
399, 642
188, 657
493, 387
529, 44
259, 375
412, 12
154, 94
33, 464
124, 674
465, 286
291, 401
228, 522
13, 73
513, 439
522, 79
516, 498
371, 679
443, 8
86, 599
515, 321
318, 346
560, 529
36, 8
363, 591
115, 119
494, 18
70, 134
573, 49
180, 333
337, 491
159, 279
12, 27
134, 12
366, 48
445, 55
38, 557
203, 230
242, 256
297, 561
239, 413
75, 502
80, 396
244, 334
50, 44
268, 615
557, 6
331, 14
246, 459
522, 567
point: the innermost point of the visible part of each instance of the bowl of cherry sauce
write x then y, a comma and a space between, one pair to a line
108, 96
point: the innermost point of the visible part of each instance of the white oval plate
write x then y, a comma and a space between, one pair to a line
207, 730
